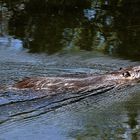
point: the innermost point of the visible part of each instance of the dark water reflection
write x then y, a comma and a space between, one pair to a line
41, 39
111, 27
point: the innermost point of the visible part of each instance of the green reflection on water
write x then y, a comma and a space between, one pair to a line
50, 27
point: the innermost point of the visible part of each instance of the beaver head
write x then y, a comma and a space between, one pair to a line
131, 73
124, 75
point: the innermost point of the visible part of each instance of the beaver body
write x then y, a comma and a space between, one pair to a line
76, 84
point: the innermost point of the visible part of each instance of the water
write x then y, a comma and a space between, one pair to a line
110, 116
94, 39
113, 115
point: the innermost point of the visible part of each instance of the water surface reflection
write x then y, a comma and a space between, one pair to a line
59, 40
105, 26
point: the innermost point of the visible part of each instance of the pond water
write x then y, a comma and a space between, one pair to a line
56, 42
113, 115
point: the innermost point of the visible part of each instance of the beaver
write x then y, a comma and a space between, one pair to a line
124, 76
37, 95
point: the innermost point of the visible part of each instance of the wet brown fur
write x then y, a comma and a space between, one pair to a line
60, 84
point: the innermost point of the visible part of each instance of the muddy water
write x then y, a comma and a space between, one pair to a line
114, 114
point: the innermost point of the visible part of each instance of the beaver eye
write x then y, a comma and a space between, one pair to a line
120, 68
126, 74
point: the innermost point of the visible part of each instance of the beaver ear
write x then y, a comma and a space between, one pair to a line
120, 68
126, 74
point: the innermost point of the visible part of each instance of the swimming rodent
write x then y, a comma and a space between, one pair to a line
124, 76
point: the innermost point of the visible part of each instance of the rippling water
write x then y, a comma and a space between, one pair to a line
113, 115
68, 39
